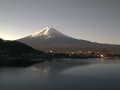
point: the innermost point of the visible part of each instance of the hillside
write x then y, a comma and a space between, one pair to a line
16, 53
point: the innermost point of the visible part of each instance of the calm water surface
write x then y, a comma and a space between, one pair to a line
63, 74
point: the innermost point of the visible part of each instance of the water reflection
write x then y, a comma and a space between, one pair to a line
41, 67
102, 60
56, 66
63, 74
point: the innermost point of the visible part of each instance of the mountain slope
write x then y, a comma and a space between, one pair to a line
50, 39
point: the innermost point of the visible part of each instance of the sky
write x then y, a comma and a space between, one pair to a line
94, 20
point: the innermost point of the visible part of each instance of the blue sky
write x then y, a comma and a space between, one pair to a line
94, 20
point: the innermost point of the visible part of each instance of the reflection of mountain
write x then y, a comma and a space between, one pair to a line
57, 66
50, 39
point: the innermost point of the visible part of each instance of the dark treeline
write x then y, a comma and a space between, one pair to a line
15, 53
15, 48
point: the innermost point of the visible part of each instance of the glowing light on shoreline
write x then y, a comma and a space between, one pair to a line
102, 56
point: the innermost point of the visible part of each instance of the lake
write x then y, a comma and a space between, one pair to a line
63, 74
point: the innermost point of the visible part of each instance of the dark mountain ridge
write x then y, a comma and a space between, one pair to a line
13, 53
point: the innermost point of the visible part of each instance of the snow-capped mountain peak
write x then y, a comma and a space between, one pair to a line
51, 39
42, 32
47, 33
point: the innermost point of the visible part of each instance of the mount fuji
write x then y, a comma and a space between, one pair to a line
51, 39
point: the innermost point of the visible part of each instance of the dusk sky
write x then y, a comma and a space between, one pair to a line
94, 20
